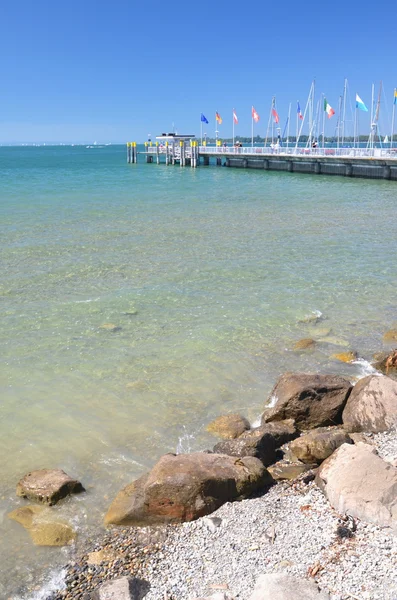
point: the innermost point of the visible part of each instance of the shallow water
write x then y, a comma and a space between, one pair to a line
210, 275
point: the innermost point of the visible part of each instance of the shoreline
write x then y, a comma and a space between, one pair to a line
288, 527
291, 528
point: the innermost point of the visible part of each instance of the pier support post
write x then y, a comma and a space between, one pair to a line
245, 163
128, 152
157, 153
167, 154
317, 168
182, 157
386, 172
266, 164
206, 160
290, 166
227, 162
349, 170
218, 162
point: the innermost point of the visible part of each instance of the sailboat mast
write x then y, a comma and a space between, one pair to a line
338, 124
289, 119
392, 118
344, 111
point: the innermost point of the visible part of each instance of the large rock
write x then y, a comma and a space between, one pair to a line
48, 486
311, 400
317, 445
358, 482
228, 426
261, 442
372, 405
283, 470
185, 487
123, 588
44, 527
279, 586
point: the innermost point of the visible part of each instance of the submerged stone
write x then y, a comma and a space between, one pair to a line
228, 426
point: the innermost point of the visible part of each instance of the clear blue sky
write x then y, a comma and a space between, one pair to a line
112, 71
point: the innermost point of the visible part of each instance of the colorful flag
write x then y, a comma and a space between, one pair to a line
275, 115
328, 109
298, 110
218, 118
204, 120
360, 104
235, 119
255, 115
395, 96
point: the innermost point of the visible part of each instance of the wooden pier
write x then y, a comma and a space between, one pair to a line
371, 163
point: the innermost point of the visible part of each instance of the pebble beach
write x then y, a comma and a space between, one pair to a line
291, 529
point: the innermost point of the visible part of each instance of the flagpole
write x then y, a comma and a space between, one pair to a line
201, 131
297, 121
233, 126
355, 127
323, 122
392, 118
252, 131
344, 111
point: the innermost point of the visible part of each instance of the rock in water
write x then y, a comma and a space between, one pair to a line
228, 426
185, 487
372, 405
279, 586
358, 482
44, 528
311, 400
48, 486
261, 442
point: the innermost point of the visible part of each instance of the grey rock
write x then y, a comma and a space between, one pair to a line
123, 588
278, 586
372, 405
358, 482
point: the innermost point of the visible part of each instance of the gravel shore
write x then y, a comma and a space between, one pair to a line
291, 529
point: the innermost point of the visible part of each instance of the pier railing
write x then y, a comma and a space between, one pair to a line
278, 151
293, 151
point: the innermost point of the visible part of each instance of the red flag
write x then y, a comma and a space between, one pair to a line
235, 119
275, 115
255, 115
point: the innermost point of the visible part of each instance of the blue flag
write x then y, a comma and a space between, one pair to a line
204, 120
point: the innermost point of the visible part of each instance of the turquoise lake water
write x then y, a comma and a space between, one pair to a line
209, 275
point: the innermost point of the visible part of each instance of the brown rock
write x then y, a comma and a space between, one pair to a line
283, 470
105, 555
261, 442
345, 357
386, 362
390, 336
228, 426
312, 400
358, 482
44, 528
304, 344
372, 405
185, 487
48, 486
316, 446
